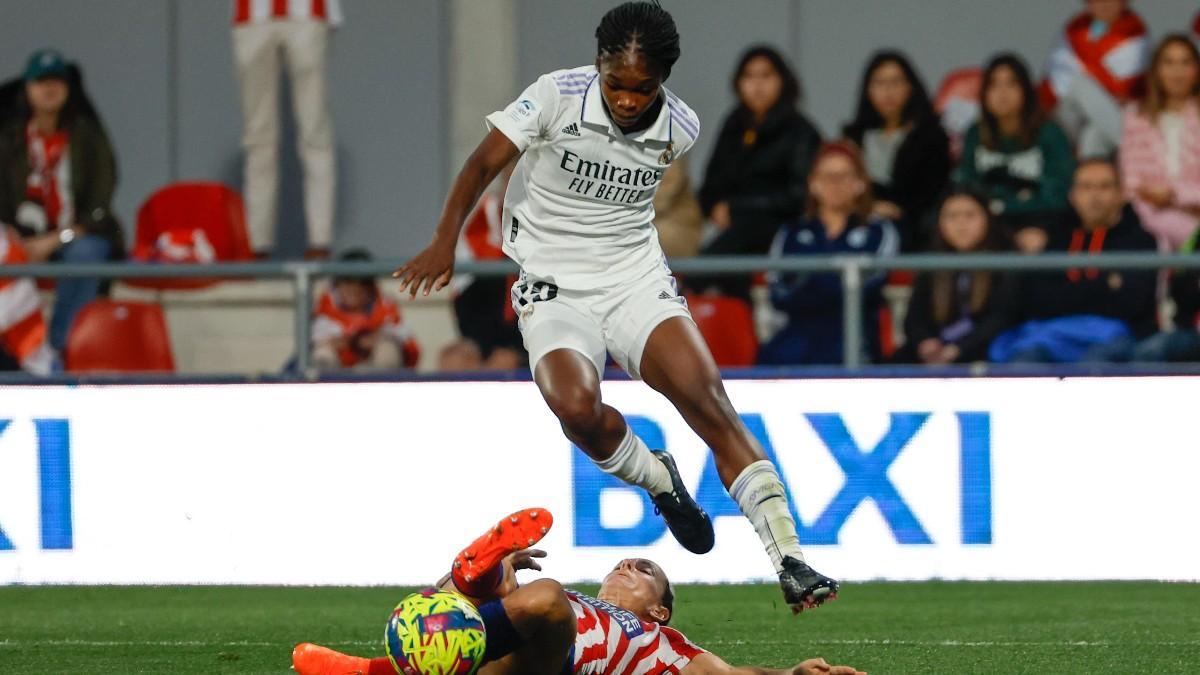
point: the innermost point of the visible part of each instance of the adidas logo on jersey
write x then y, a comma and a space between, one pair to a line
665, 295
571, 129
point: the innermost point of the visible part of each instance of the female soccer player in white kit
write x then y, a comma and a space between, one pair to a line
593, 144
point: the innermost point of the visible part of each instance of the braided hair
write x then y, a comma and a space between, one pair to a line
640, 27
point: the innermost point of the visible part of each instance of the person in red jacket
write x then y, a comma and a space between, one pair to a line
356, 327
23, 336
1096, 66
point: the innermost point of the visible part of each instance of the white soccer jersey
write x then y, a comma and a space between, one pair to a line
578, 212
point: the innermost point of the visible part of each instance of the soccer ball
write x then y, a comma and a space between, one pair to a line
435, 632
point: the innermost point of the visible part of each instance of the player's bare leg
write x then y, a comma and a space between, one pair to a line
569, 383
571, 387
546, 625
676, 363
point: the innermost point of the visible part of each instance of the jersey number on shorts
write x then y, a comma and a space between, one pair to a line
538, 291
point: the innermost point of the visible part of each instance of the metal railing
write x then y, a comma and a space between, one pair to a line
851, 269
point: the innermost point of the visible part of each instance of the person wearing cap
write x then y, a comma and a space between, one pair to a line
356, 327
57, 177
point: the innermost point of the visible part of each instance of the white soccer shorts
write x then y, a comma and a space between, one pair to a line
615, 320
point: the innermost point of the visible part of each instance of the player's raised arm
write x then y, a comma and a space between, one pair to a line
711, 664
433, 267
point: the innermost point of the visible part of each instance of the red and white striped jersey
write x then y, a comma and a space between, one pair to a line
22, 327
613, 641
250, 11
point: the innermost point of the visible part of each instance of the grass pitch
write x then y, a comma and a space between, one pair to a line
880, 627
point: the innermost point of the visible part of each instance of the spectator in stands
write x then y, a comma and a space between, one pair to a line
757, 176
482, 306
953, 315
268, 36
904, 146
1160, 144
57, 177
23, 343
460, 356
1021, 162
1086, 314
838, 220
1096, 67
356, 327
1182, 343
677, 215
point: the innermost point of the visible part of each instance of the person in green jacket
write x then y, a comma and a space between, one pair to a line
1022, 162
57, 177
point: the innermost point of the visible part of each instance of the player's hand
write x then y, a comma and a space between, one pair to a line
820, 667
526, 559
521, 560
431, 268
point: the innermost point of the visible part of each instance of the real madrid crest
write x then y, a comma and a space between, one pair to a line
667, 155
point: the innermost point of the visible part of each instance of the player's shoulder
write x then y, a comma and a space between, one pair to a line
570, 82
683, 118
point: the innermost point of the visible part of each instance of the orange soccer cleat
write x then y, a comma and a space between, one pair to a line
310, 659
477, 570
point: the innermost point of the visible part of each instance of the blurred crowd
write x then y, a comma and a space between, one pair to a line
1100, 154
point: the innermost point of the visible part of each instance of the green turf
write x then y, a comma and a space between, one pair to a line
882, 628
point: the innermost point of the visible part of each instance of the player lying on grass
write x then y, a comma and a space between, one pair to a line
542, 628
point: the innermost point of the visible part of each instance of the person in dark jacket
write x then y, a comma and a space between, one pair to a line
953, 315
57, 177
906, 151
757, 176
838, 221
1020, 160
1182, 343
1086, 314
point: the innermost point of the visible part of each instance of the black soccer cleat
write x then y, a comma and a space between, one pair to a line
689, 524
803, 587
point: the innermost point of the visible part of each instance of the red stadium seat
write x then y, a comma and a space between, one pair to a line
727, 326
210, 208
110, 336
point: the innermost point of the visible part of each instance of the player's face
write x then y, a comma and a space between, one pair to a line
963, 223
629, 86
638, 585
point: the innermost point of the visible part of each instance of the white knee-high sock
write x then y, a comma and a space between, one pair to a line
636, 465
759, 493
